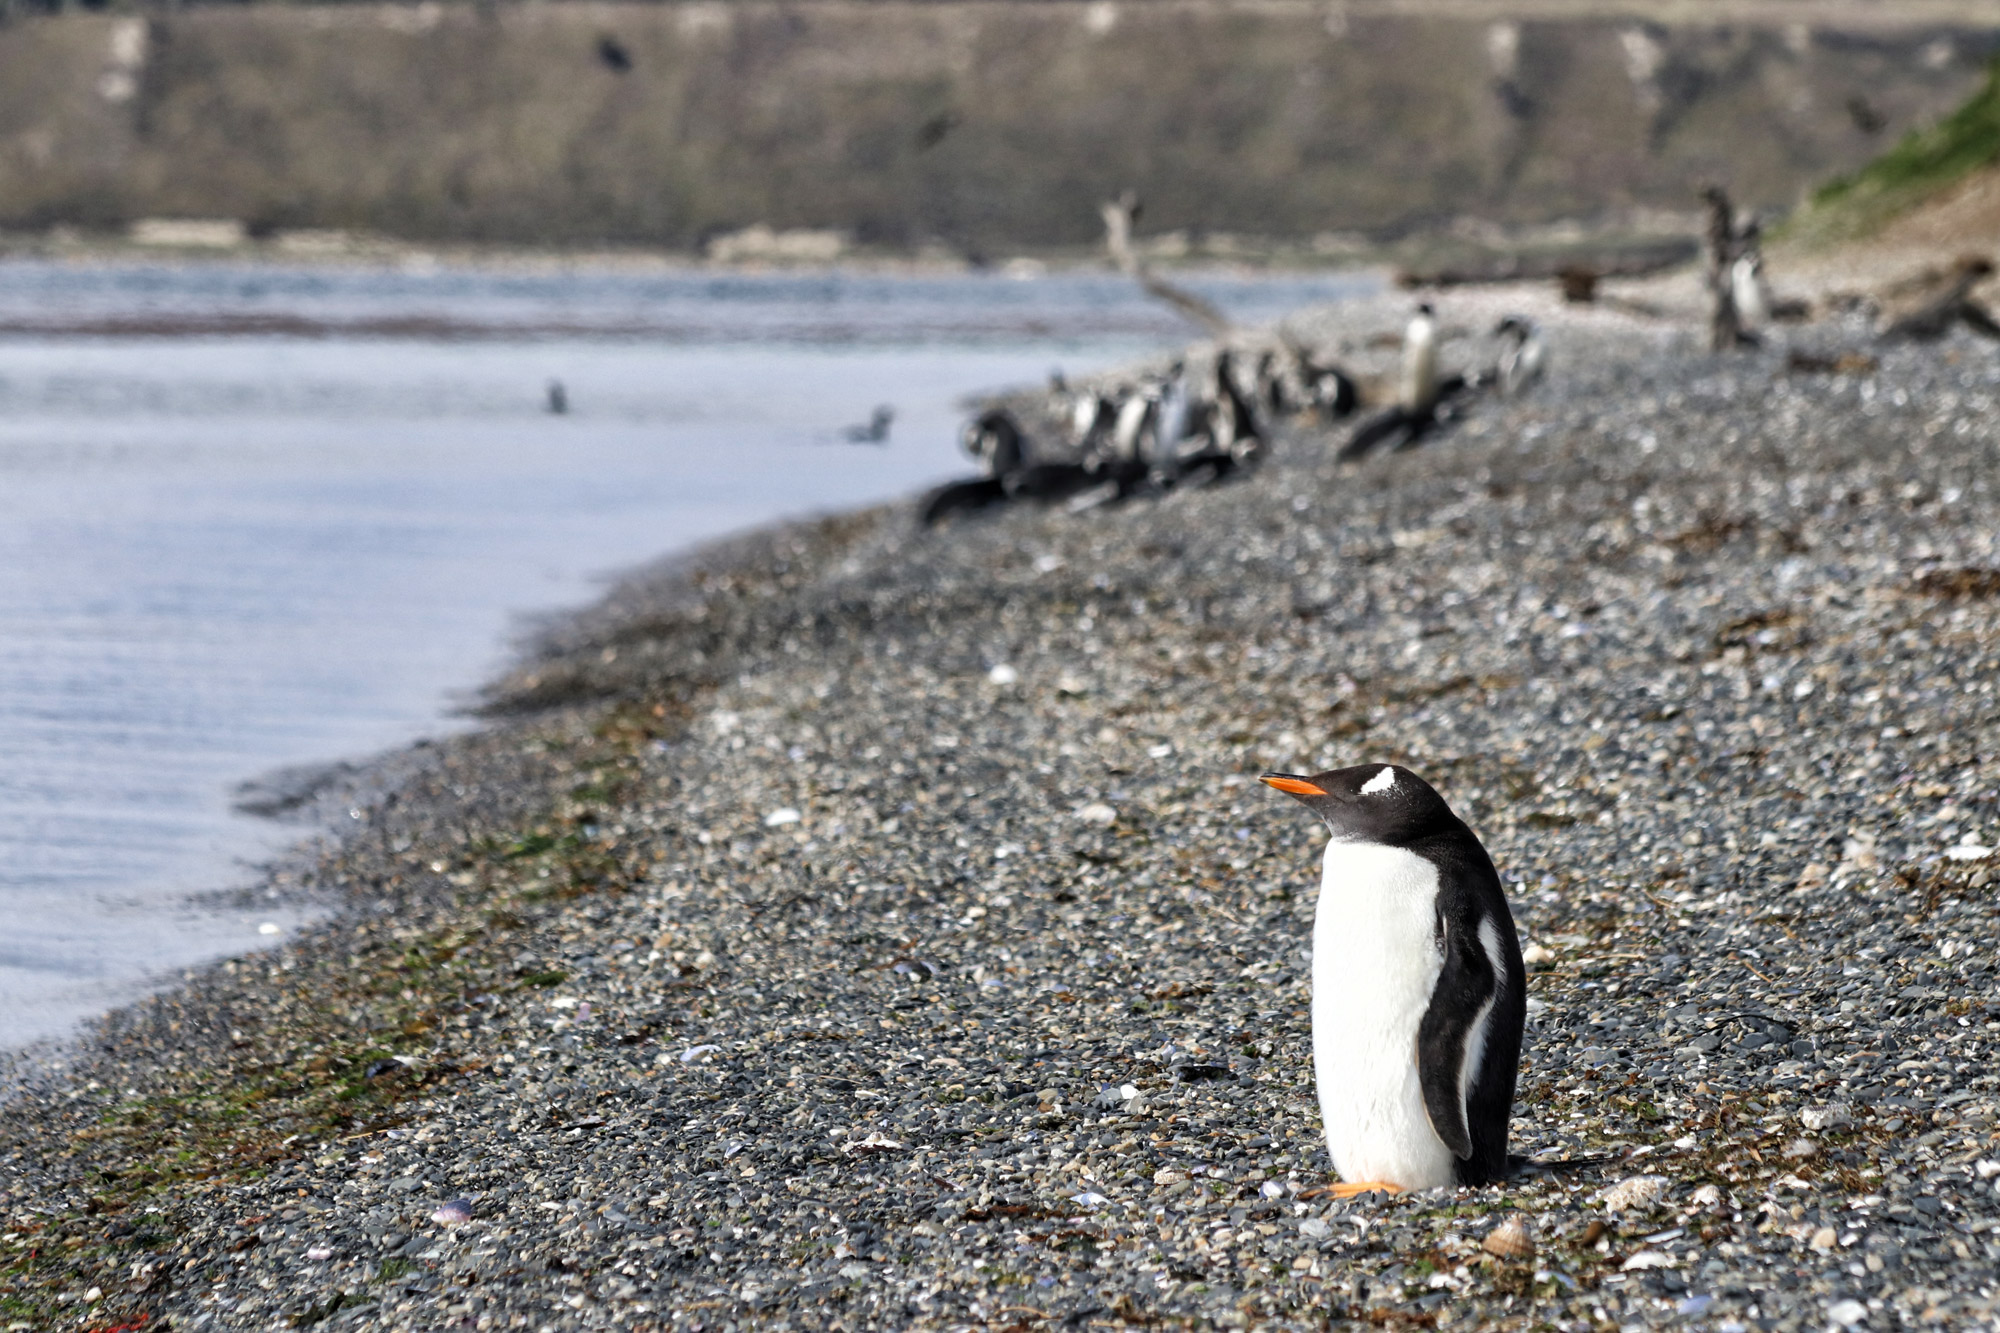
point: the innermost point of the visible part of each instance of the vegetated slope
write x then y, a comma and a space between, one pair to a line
1937, 186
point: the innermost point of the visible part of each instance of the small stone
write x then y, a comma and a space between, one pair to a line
1847, 1313
1097, 813
1834, 1115
1089, 1199
1315, 1228
781, 817
1708, 1196
1002, 674
1538, 957
318, 1253
1647, 1259
1801, 1148
1825, 1238
453, 1212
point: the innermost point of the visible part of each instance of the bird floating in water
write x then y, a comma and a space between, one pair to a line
558, 399
877, 429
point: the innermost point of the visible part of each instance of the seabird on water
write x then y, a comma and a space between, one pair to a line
876, 431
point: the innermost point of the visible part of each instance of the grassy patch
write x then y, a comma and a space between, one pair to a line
1926, 162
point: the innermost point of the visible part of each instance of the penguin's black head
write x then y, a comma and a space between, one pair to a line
1375, 803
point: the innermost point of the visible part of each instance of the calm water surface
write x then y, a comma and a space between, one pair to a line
253, 517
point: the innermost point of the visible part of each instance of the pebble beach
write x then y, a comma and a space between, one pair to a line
859, 927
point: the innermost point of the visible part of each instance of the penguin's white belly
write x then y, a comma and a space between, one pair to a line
1376, 959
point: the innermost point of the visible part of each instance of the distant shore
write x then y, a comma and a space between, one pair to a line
865, 927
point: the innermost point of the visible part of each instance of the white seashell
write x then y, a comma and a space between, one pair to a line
1648, 1259
1510, 1240
1635, 1193
1097, 813
1003, 674
779, 818
1708, 1196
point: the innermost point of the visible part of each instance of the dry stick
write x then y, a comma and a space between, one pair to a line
1934, 318
1118, 215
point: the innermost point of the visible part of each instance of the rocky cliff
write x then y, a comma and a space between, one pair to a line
977, 125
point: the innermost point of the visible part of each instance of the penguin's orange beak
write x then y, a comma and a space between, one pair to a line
1287, 783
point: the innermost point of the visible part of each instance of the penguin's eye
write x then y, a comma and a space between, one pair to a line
1380, 783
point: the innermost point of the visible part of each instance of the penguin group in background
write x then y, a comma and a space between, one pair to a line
1192, 424
1419, 996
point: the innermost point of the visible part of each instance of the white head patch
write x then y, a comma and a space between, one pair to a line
1381, 782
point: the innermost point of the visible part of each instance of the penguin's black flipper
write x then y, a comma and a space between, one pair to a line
1460, 1012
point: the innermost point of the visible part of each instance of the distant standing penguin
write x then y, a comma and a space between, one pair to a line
1419, 995
1418, 392
1524, 353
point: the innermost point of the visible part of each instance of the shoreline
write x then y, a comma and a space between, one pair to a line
770, 956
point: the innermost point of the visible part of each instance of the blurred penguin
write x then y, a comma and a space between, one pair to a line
1417, 388
1524, 355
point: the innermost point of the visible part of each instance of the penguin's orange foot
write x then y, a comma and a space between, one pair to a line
1347, 1189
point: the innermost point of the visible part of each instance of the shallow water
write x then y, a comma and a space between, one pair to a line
257, 517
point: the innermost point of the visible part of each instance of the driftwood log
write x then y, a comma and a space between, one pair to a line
1948, 302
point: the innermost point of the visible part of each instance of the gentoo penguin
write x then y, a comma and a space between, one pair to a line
1418, 990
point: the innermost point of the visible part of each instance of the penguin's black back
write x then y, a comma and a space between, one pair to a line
1469, 893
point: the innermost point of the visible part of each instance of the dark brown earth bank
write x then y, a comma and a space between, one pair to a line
861, 927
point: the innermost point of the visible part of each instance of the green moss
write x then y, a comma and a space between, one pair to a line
1926, 162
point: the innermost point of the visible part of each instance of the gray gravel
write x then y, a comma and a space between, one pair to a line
868, 928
